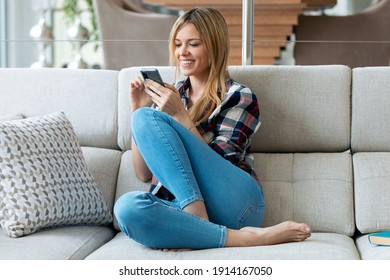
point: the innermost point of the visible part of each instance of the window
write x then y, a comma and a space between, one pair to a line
3, 43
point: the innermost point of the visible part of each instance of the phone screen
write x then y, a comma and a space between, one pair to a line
152, 74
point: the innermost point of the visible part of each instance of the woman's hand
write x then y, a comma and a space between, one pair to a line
138, 97
167, 98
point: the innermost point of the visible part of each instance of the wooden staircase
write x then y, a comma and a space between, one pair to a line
273, 23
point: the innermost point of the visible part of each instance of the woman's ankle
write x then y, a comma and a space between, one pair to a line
198, 209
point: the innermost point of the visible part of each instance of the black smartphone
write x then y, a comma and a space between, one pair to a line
152, 74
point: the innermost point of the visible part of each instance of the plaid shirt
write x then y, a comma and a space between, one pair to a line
228, 130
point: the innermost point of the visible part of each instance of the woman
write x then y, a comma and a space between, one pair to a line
194, 145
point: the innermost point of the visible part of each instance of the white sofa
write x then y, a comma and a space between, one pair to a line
322, 154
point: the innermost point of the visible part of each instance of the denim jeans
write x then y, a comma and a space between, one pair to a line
191, 171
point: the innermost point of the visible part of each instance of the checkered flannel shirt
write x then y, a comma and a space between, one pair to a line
228, 129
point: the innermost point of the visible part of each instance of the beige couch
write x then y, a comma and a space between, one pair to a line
322, 154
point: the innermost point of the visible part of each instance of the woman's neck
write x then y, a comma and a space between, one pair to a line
196, 89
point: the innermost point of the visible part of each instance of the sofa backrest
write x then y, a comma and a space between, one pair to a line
303, 108
124, 115
370, 143
370, 113
88, 98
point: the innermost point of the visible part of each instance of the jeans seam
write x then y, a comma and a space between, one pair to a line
187, 201
194, 196
245, 214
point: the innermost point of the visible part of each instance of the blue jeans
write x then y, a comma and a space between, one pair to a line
191, 171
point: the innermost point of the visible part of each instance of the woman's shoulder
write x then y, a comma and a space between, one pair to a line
239, 92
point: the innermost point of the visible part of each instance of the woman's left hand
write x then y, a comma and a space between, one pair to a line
167, 97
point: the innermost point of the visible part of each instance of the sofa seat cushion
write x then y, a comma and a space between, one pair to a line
65, 243
320, 246
370, 251
308, 187
372, 187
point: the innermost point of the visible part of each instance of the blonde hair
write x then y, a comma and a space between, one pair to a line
214, 33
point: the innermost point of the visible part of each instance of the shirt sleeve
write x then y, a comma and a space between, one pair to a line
237, 121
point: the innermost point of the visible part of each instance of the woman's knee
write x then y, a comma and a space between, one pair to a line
128, 207
140, 117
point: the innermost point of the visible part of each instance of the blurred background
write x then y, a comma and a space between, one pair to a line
114, 34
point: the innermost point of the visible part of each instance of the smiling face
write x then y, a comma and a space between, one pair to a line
191, 52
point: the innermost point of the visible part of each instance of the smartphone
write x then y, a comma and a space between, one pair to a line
152, 74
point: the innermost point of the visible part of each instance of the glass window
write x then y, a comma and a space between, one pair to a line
3, 45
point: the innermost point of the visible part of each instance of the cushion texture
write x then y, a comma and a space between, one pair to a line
89, 99
11, 117
61, 243
372, 186
370, 251
302, 187
370, 115
104, 167
320, 246
302, 108
44, 179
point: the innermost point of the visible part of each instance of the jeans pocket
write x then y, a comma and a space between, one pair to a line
252, 216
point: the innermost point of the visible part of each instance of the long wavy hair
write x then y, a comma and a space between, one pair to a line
213, 31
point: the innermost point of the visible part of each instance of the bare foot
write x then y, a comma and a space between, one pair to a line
280, 233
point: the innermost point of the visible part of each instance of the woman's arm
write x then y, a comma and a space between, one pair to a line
138, 99
141, 169
237, 121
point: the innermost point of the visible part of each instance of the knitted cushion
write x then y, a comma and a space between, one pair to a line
44, 179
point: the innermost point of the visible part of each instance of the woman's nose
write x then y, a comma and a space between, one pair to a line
183, 50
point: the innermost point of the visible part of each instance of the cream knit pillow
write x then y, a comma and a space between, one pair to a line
44, 179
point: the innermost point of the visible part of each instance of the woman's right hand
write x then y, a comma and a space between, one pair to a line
138, 97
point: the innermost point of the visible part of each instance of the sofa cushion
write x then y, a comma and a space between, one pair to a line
127, 180
370, 251
308, 188
372, 187
88, 97
124, 113
370, 114
11, 117
44, 178
320, 246
300, 187
63, 243
302, 108
104, 167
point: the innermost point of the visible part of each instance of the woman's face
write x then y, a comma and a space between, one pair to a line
191, 52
